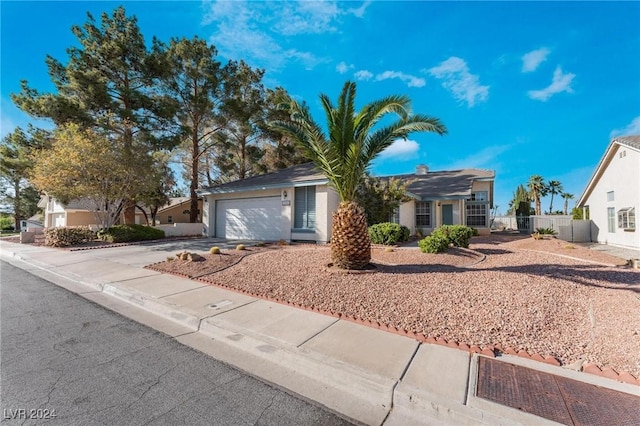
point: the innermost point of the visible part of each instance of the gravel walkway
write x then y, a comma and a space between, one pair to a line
517, 294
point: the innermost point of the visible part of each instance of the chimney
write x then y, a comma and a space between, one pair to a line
422, 169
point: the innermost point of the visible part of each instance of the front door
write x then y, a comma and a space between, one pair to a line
447, 214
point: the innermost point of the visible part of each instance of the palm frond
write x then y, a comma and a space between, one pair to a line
350, 143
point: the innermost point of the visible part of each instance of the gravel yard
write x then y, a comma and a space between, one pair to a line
519, 293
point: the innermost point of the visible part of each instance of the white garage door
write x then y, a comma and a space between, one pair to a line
58, 220
249, 219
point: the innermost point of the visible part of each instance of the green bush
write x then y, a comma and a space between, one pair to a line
388, 233
442, 237
546, 231
129, 233
458, 235
6, 224
433, 244
64, 237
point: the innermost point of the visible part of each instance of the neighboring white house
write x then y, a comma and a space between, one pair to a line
297, 204
612, 196
34, 222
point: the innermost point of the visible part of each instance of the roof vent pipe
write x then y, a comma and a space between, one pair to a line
422, 169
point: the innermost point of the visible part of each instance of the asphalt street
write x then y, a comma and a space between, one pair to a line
65, 360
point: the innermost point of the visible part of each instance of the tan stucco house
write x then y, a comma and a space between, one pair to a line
612, 195
74, 213
78, 213
296, 204
177, 211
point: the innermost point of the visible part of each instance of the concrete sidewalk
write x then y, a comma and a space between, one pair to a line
368, 375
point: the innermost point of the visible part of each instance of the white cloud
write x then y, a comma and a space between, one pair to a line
531, 60
359, 12
343, 67
401, 149
252, 30
561, 83
632, 128
411, 80
363, 75
487, 158
456, 78
306, 17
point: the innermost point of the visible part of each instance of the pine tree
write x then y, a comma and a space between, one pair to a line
108, 85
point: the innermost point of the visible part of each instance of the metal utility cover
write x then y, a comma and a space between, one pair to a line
556, 398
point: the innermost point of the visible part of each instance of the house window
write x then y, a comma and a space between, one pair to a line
305, 208
610, 196
627, 218
478, 196
423, 214
477, 215
477, 207
611, 219
394, 217
169, 219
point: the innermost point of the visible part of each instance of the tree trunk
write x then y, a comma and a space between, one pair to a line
16, 205
129, 212
193, 209
350, 243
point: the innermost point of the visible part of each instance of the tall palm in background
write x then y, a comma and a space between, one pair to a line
554, 187
538, 189
344, 154
566, 197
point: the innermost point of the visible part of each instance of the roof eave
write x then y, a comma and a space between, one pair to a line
597, 173
215, 191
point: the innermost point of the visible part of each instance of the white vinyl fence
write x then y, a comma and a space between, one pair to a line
568, 229
181, 229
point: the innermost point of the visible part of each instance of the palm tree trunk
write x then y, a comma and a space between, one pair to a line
350, 243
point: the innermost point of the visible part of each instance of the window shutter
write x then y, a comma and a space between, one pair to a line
311, 207
299, 207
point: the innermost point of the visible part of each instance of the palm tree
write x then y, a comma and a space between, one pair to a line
566, 197
345, 153
554, 187
538, 189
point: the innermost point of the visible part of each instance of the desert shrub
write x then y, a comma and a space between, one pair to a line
128, 233
435, 243
458, 235
240, 247
445, 236
214, 250
388, 233
64, 237
546, 231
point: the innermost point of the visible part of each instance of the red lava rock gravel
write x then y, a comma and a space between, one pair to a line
511, 294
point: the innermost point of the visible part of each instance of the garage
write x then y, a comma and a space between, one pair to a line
58, 220
249, 219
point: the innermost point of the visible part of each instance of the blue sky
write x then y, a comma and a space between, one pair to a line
524, 87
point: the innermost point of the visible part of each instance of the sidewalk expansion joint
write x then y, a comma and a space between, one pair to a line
184, 334
181, 292
404, 372
230, 309
321, 331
